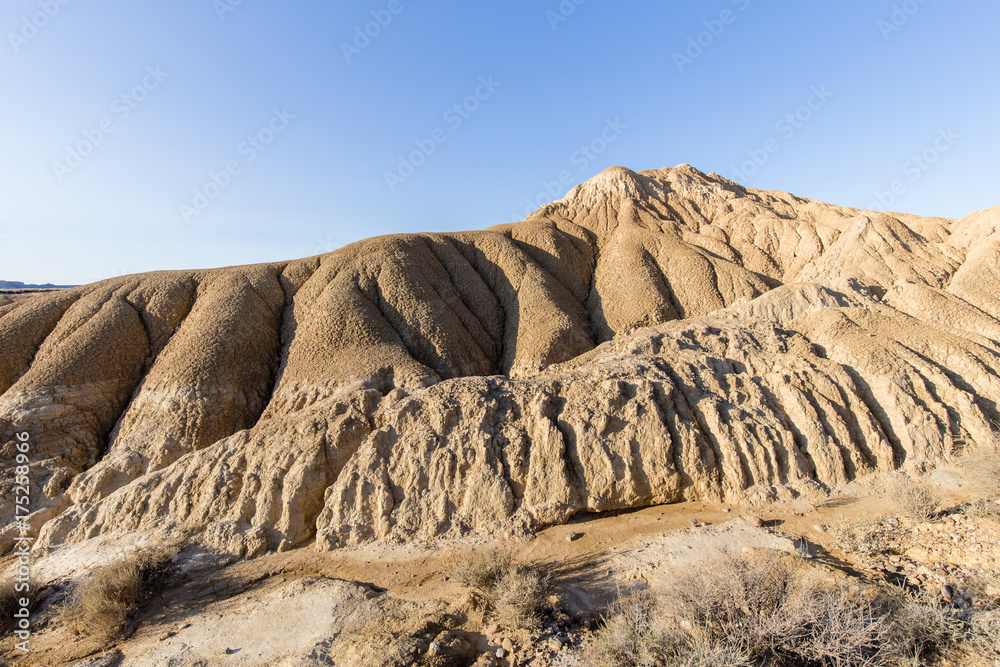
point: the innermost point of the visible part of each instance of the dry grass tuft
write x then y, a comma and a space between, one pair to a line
510, 593
913, 498
922, 626
864, 538
10, 601
981, 468
101, 603
984, 629
985, 508
765, 608
633, 633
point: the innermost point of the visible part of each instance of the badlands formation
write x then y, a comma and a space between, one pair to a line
653, 337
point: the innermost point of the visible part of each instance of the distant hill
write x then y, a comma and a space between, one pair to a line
14, 284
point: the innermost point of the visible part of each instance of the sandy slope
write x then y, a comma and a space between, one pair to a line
653, 337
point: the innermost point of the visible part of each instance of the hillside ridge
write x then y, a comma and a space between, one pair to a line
652, 337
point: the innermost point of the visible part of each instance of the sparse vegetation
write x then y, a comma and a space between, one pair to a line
510, 593
864, 538
632, 633
921, 626
913, 498
984, 631
981, 467
102, 602
766, 608
986, 508
10, 601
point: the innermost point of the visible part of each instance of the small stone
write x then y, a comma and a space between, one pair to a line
501, 653
820, 528
507, 645
947, 592
573, 537
755, 521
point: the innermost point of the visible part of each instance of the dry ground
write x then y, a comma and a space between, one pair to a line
383, 604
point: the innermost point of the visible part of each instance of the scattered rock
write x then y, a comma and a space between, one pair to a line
112, 659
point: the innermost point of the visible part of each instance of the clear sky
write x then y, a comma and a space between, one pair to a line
192, 133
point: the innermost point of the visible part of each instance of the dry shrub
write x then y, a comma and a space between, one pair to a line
913, 498
102, 602
922, 626
984, 630
984, 508
761, 603
510, 593
764, 608
633, 633
865, 538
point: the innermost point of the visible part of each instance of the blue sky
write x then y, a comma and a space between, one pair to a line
249, 131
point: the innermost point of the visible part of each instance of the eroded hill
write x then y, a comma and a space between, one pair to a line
650, 338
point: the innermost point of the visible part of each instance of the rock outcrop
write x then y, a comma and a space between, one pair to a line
651, 337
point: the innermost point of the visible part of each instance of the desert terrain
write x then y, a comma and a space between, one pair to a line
665, 420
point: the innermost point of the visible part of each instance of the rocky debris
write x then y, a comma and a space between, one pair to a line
955, 558
110, 659
652, 337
